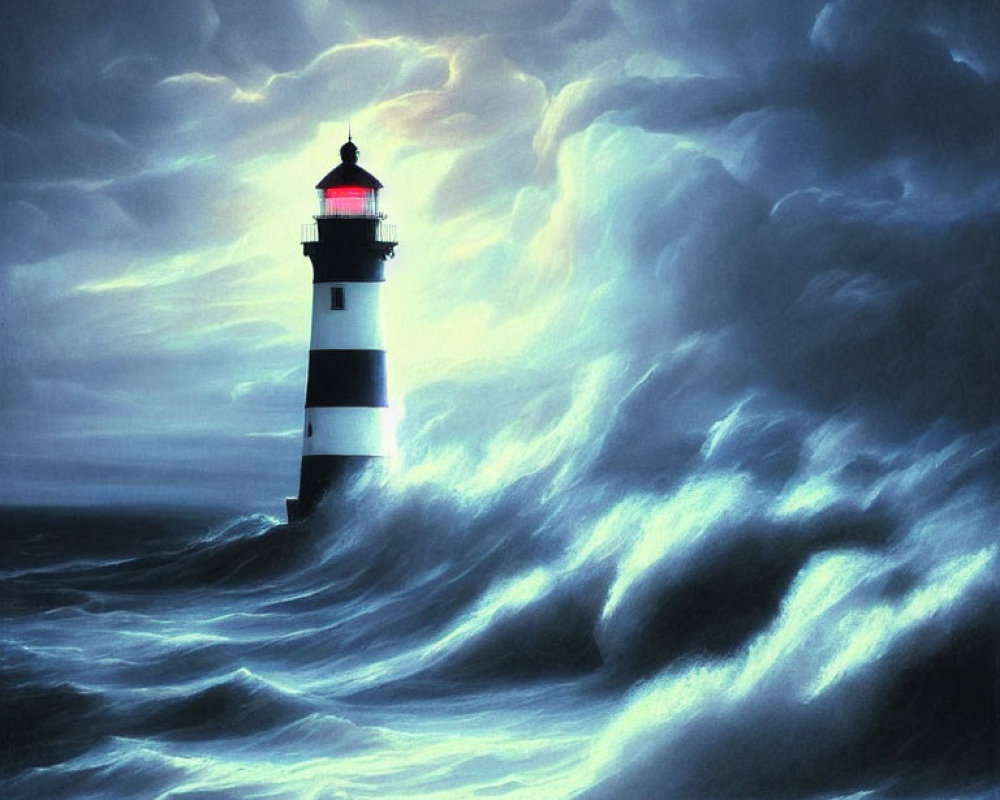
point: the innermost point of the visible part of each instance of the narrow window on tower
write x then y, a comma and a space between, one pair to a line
337, 298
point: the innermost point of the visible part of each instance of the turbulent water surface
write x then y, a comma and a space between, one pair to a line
728, 634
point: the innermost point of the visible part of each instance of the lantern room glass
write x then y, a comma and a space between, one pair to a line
348, 201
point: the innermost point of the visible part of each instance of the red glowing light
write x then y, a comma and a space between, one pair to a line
348, 200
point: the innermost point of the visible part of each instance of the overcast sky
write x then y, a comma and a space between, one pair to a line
617, 219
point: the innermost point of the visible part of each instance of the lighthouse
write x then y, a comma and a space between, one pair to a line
346, 422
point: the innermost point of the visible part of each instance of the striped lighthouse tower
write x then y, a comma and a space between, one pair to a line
346, 415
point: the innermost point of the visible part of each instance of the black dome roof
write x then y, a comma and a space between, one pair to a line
347, 172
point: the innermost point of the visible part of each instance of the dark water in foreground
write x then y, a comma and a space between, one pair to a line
713, 640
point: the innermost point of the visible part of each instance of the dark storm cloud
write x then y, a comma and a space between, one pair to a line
77, 80
886, 89
88, 66
462, 188
682, 104
545, 37
875, 85
153, 211
721, 37
825, 300
850, 249
677, 105
971, 30
839, 304
440, 18
122, 121
486, 97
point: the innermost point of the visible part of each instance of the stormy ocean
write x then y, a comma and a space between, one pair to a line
792, 616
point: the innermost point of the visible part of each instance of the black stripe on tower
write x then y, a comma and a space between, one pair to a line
346, 378
319, 474
348, 250
334, 265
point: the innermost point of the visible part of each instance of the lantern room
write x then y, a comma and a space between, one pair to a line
348, 190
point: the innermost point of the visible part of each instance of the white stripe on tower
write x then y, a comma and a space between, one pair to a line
357, 325
347, 431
